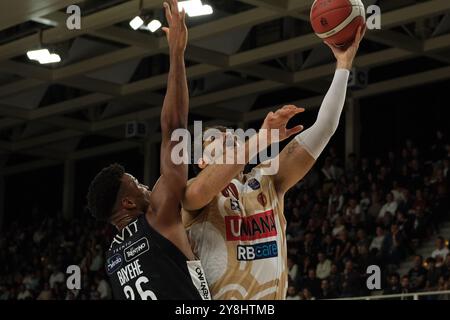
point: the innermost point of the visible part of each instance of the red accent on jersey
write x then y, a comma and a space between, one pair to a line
258, 226
231, 188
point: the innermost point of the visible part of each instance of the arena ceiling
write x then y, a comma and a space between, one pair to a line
245, 53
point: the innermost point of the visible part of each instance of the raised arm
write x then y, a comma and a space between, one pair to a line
167, 193
174, 114
214, 178
302, 152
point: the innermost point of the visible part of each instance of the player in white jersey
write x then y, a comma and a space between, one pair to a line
236, 223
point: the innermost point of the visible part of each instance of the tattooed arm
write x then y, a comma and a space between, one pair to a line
295, 162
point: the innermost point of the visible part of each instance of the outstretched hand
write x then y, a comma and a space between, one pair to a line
177, 34
278, 121
346, 56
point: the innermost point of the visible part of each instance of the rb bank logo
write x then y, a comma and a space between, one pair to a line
257, 251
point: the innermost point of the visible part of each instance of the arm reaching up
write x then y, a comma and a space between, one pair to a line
174, 114
301, 154
168, 191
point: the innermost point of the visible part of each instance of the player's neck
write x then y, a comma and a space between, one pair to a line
123, 220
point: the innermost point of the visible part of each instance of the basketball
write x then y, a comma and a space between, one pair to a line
337, 21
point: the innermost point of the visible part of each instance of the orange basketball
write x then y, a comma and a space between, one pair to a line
337, 21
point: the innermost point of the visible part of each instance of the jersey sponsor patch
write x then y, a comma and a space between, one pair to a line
234, 205
254, 184
125, 233
114, 263
258, 226
231, 191
262, 199
136, 249
257, 251
198, 279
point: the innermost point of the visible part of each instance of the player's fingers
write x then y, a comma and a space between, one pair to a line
358, 37
295, 109
363, 32
295, 112
290, 107
168, 12
183, 16
174, 8
294, 130
270, 115
284, 114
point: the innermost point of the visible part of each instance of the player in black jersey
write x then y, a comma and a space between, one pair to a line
150, 257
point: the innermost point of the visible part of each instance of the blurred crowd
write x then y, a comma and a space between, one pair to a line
35, 255
343, 217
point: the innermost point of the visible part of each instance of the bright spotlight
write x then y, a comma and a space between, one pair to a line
195, 8
154, 25
51, 58
38, 54
136, 23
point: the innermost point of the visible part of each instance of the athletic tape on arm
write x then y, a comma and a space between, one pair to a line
315, 139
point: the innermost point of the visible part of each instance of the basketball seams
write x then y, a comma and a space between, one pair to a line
357, 11
335, 9
331, 10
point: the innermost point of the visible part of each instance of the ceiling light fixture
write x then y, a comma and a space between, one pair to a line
195, 8
137, 21
43, 56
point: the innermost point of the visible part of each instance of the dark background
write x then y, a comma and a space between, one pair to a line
386, 122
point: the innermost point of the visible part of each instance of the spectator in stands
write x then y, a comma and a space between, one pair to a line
353, 208
292, 293
417, 274
293, 269
393, 285
446, 267
57, 276
97, 260
307, 295
443, 285
335, 279
326, 292
344, 245
330, 171
374, 208
418, 226
339, 227
323, 268
24, 293
351, 281
46, 293
433, 274
389, 206
405, 287
103, 287
335, 200
329, 246
441, 250
364, 203
378, 242
311, 282
394, 246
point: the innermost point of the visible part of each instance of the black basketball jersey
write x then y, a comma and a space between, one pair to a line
144, 265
